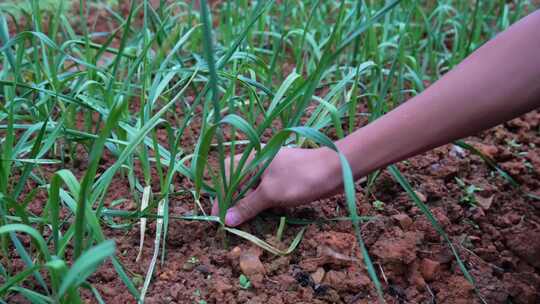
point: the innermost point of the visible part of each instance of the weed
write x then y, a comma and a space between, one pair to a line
378, 205
469, 192
244, 282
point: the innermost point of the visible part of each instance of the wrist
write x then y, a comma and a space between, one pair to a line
330, 172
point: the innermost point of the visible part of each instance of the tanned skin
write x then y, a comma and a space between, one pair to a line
498, 82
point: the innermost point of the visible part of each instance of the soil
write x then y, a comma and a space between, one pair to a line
498, 238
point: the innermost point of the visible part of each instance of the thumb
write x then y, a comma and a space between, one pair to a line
246, 208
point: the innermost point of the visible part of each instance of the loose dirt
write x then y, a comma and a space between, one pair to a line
498, 239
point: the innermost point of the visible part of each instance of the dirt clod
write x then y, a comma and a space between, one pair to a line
521, 243
429, 269
396, 250
404, 220
318, 275
251, 265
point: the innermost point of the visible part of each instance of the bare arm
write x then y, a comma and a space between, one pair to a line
499, 81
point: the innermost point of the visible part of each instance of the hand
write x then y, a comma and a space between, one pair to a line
295, 177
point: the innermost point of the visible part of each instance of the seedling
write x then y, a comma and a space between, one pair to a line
378, 205
244, 282
513, 143
469, 192
281, 228
128, 105
193, 260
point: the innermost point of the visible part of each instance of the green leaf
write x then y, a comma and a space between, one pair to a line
85, 265
264, 245
239, 123
42, 245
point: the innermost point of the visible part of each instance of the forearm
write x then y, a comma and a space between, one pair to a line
499, 81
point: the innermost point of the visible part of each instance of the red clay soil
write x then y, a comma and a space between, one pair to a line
498, 239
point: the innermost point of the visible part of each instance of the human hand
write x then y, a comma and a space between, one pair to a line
294, 177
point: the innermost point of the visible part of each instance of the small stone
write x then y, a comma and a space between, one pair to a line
250, 263
203, 269
234, 253
252, 267
404, 220
326, 255
165, 275
484, 202
318, 275
457, 152
429, 269
188, 266
487, 150
334, 257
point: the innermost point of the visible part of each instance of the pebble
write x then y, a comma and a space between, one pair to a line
487, 150
203, 269
252, 267
457, 152
188, 266
318, 275
404, 220
429, 269
484, 202
250, 263
234, 253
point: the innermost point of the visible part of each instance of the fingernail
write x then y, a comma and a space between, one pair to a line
232, 218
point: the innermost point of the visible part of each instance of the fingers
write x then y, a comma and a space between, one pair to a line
250, 205
215, 205
246, 208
